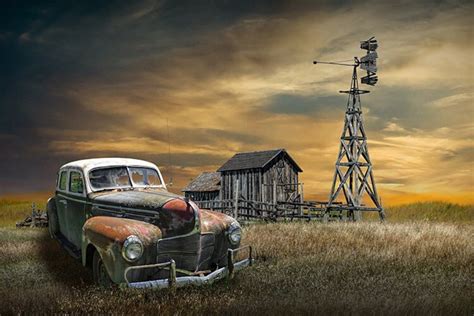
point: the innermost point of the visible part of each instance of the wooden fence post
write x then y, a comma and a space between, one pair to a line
275, 195
236, 199
301, 199
33, 215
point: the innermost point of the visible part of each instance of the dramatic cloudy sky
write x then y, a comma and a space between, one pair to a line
79, 80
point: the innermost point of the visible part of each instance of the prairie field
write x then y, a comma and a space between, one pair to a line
415, 264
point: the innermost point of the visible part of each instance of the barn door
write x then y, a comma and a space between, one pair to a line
286, 190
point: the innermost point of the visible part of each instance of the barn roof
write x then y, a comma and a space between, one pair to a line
205, 182
255, 160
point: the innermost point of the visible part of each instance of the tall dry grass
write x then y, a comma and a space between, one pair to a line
435, 211
14, 210
302, 268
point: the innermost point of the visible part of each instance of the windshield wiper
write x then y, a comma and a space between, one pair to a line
105, 189
114, 189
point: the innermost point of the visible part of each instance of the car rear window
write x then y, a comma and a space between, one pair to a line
63, 180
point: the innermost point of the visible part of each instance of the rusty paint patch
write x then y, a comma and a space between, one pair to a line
177, 218
118, 229
180, 207
215, 222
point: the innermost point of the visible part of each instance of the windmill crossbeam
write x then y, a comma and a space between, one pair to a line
348, 164
352, 208
354, 91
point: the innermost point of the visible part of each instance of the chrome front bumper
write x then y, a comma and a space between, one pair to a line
174, 281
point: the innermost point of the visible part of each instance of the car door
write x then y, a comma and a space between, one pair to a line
61, 202
76, 205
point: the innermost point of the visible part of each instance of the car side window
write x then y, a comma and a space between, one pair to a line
63, 180
76, 185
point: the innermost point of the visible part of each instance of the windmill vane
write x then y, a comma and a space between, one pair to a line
369, 61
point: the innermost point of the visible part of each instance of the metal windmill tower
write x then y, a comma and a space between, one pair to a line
354, 175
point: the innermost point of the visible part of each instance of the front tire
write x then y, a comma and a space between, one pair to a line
100, 274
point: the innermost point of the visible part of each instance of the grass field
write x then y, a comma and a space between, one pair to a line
408, 265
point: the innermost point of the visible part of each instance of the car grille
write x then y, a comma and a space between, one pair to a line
208, 241
192, 253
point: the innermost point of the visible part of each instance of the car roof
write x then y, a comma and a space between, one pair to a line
88, 164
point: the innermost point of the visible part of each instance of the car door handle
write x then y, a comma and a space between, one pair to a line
63, 201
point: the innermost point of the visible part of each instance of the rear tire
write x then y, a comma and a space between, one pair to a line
53, 221
100, 274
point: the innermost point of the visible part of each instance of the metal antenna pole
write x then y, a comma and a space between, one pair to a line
169, 153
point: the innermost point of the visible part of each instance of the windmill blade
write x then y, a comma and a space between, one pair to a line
369, 67
370, 44
370, 79
369, 62
370, 57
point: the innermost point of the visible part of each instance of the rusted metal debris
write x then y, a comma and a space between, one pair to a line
37, 218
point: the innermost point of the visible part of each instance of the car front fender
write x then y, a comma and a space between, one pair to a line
215, 222
107, 235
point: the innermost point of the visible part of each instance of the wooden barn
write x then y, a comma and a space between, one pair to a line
264, 176
205, 187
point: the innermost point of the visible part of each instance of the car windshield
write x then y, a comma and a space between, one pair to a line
109, 178
118, 177
144, 176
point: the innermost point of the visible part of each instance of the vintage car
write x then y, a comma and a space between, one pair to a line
116, 215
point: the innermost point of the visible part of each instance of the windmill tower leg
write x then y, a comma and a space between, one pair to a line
353, 176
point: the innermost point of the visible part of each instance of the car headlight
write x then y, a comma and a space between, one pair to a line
132, 248
234, 233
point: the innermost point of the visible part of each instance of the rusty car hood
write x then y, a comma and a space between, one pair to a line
143, 199
175, 215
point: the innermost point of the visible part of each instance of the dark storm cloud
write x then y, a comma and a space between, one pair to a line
320, 106
413, 108
187, 159
210, 136
50, 48
464, 155
49, 51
